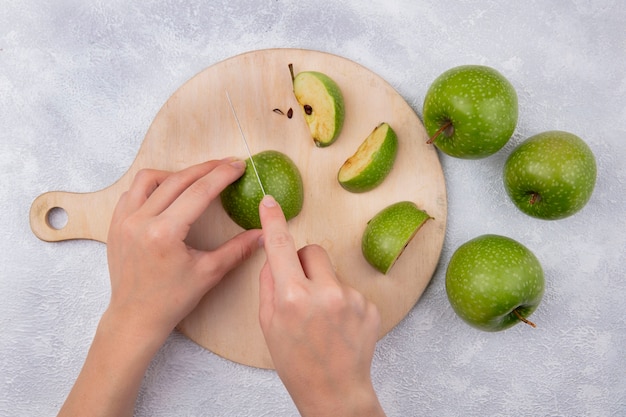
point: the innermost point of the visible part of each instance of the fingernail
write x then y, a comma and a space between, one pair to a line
268, 201
238, 163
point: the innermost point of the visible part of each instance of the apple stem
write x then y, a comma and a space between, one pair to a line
534, 198
439, 132
293, 77
524, 319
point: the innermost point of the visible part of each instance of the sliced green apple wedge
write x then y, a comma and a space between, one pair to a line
372, 161
389, 232
322, 105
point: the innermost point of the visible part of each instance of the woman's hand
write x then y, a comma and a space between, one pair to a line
156, 280
321, 334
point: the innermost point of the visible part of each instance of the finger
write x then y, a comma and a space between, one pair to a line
174, 185
143, 185
266, 296
279, 245
316, 264
214, 265
194, 200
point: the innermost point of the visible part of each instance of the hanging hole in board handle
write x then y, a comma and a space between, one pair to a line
56, 218
51, 216
58, 215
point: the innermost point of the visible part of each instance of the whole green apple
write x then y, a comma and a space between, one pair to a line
550, 175
470, 111
280, 178
494, 282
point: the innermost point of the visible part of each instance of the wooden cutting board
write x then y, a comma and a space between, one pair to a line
196, 124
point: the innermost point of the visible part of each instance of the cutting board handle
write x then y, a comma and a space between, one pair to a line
84, 215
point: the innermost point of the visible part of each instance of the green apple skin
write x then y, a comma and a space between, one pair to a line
322, 105
479, 107
372, 161
280, 178
551, 175
389, 232
491, 277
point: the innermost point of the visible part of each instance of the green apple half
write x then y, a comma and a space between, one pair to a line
322, 105
470, 111
280, 178
372, 161
389, 232
493, 282
550, 175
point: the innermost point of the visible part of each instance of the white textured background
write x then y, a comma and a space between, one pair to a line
80, 82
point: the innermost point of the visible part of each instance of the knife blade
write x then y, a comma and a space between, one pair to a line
245, 143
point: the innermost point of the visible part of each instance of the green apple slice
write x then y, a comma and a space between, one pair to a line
280, 178
372, 161
322, 105
389, 232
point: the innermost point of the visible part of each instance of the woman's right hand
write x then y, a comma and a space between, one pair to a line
321, 334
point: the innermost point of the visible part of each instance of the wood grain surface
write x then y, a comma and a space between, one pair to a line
196, 124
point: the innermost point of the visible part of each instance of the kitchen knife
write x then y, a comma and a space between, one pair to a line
245, 142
